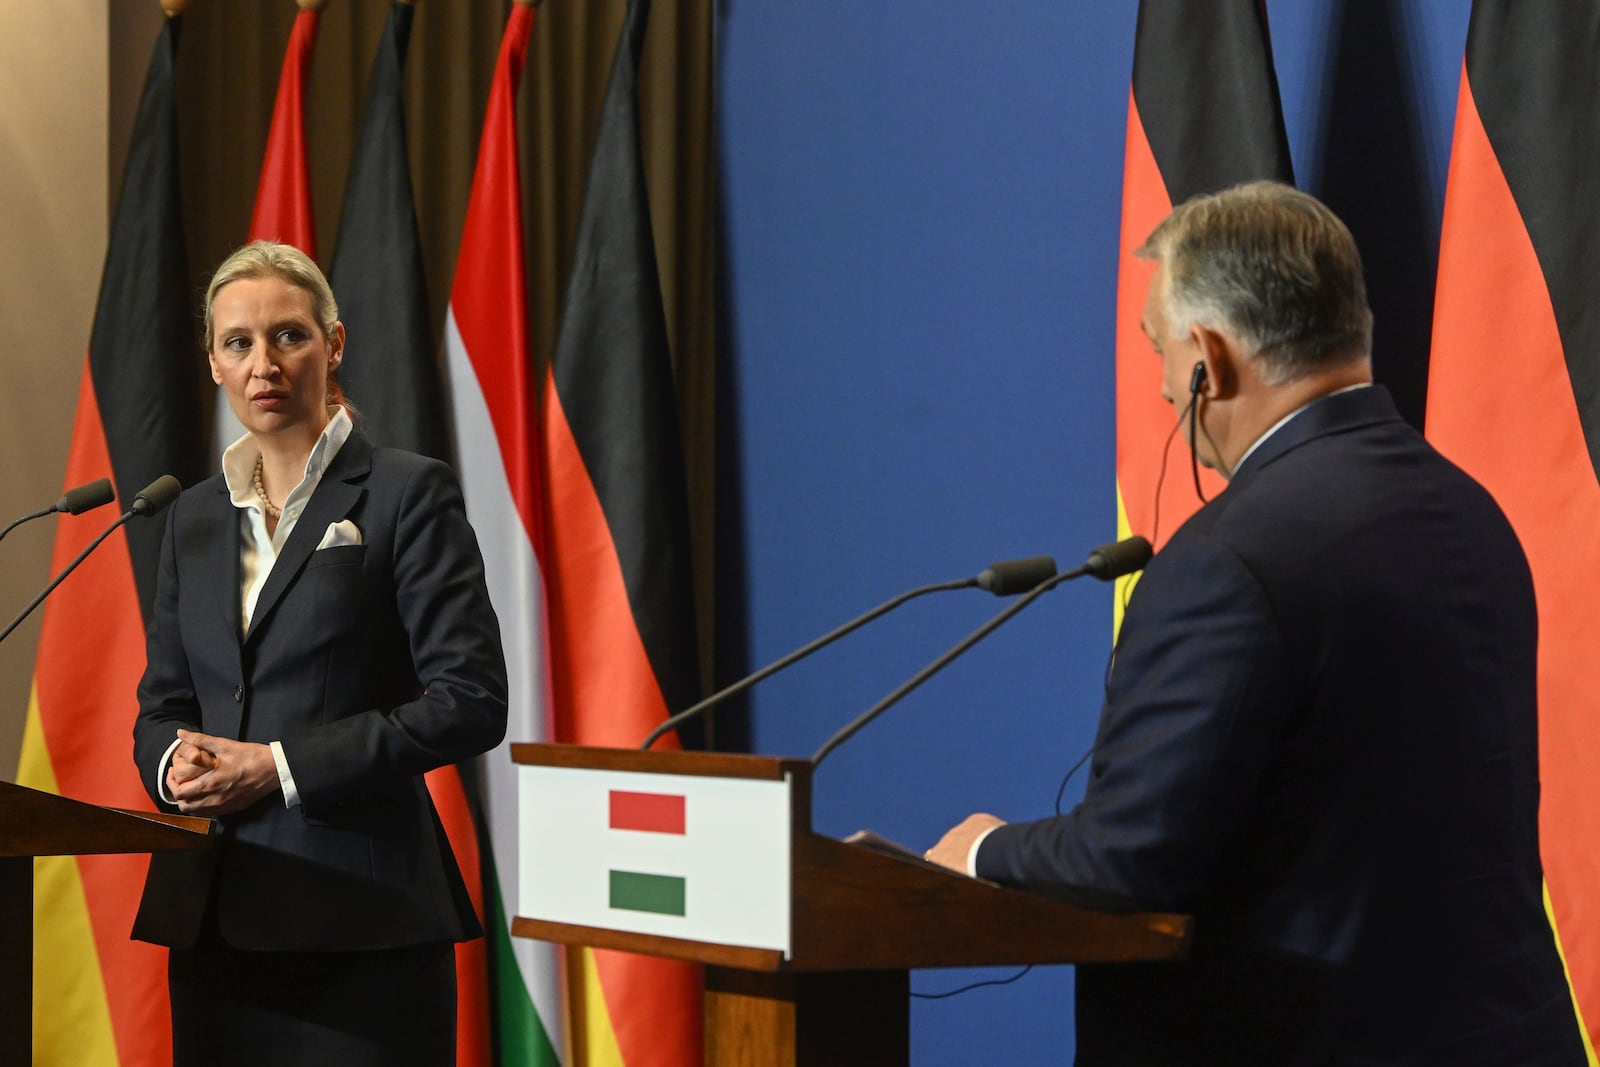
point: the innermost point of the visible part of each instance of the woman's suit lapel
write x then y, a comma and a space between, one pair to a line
218, 544
334, 499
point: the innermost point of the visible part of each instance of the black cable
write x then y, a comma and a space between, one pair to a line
1070, 772
1062, 789
1194, 457
26, 518
1161, 475
58, 579
1127, 583
972, 985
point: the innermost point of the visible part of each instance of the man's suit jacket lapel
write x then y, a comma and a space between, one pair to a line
335, 497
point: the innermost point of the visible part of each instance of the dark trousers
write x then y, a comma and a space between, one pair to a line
274, 1009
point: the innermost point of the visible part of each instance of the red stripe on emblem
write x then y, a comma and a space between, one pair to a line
659, 813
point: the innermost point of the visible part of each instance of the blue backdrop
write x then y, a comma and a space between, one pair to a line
920, 229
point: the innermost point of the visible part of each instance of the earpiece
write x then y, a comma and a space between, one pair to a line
1197, 379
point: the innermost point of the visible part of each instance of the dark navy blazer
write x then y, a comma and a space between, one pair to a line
1320, 738
371, 663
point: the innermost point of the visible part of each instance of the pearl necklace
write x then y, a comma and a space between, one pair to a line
261, 493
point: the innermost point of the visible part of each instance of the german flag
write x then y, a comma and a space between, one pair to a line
1514, 390
377, 269
616, 560
1203, 114
137, 419
391, 375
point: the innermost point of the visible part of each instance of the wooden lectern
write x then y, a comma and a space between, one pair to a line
807, 941
34, 823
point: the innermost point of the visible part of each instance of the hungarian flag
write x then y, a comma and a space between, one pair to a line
489, 363
283, 193
616, 559
391, 376
103, 996
1203, 115
1514, 390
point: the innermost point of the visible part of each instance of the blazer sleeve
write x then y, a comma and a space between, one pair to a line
167, 700
1195, 705
454, 640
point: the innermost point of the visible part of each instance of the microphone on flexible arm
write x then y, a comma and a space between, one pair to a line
149, 500
1107, 563
1006, 578
74, 501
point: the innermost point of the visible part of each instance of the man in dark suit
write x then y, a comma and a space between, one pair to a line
1319, 734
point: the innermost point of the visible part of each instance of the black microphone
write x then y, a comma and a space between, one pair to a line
149, 500
1016, 575
74, 502
1119, 558
1002, 579
155, 496
1108, 562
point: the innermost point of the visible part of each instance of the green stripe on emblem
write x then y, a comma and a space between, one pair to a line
659, 893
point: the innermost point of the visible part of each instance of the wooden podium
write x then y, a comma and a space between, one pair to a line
807, 941
34, 823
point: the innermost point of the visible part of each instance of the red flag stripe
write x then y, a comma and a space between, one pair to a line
489, 297
606, 692
283, 195
1144, 420
474, 1046
1492, 300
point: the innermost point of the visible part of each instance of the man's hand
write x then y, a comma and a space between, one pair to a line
216, 776
953, 847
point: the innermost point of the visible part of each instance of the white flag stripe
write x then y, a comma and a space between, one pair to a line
517, 592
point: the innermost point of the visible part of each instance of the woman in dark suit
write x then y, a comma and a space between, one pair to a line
321, 638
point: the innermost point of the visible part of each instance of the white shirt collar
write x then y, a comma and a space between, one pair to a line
239, 460
1281, 423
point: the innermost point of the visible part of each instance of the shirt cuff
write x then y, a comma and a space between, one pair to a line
291, 795
161, 773
972, 853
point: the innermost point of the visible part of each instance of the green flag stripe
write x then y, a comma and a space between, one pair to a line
659, 893
520, 1036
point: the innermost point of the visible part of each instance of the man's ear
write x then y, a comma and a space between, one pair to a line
1220, 354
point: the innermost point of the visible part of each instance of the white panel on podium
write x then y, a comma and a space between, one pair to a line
683, 856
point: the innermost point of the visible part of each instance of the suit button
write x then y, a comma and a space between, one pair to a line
238, 693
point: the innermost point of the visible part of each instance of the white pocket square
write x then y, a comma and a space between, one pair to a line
343, 532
